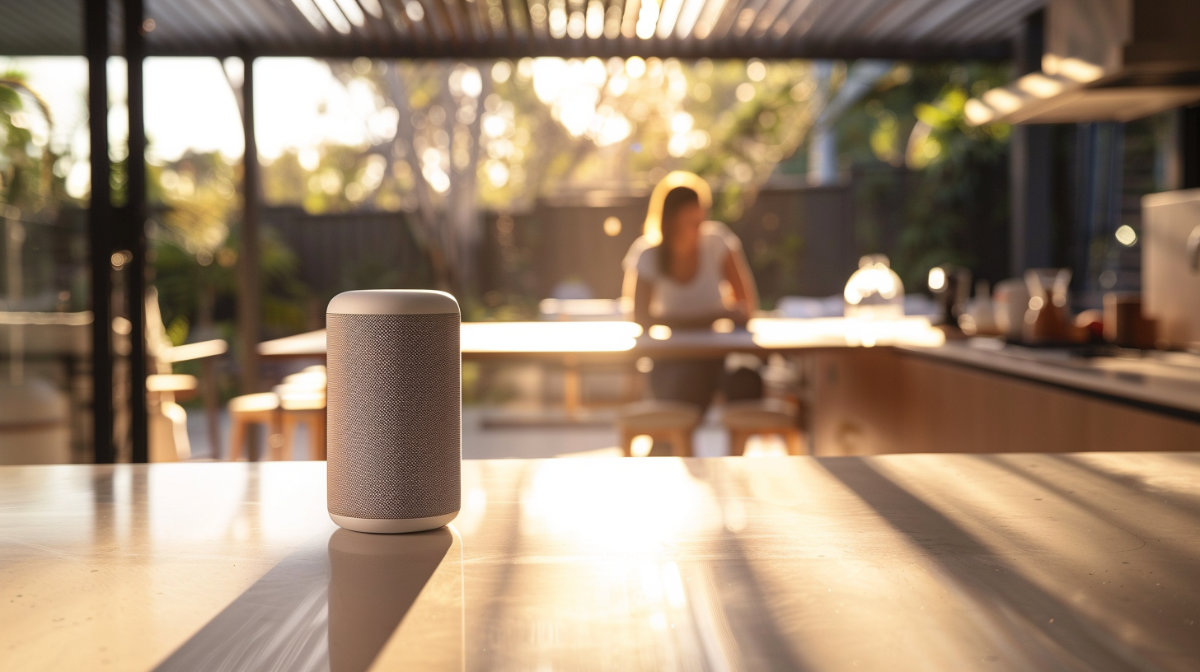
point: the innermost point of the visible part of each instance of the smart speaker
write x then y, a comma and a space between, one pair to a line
394, 410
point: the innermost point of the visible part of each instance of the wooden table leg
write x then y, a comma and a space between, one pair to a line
208, 388
572, 392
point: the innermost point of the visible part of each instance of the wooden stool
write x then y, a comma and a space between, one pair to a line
671, 421
253, 409
744, 419
303, 405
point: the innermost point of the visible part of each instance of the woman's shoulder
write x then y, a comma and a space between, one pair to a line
639, 246
639, 249
718, 232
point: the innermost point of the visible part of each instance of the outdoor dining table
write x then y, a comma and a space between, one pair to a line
937, 562
572, 344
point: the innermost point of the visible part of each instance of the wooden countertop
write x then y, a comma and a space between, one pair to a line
955, 562
1160, 381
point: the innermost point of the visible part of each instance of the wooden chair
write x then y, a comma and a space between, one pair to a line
167, 420
670, 421
261, 408
743, 419
302, 402
168, 437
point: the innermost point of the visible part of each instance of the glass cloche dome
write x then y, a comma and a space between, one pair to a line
874, 291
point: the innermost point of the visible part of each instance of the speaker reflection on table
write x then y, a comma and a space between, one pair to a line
395, 410
374, 585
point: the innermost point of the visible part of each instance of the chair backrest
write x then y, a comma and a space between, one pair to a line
157, 341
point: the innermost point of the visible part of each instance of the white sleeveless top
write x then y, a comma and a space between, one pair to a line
704, 294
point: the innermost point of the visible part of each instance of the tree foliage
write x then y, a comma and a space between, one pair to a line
950, 179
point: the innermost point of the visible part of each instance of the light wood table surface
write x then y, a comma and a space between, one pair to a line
573, 344
618, 341
922, 562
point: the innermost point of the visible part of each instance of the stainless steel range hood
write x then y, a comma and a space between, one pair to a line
1105, 60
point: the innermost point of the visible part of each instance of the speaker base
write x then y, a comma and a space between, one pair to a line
392, 525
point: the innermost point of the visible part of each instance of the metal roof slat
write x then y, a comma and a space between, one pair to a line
264, 15
828, 14
525, 10
577, 47
705, 10
539, 31
884, 24
517, 17
461, 15
767, 18
520, 8
955, 30
492, 32
724, 22
466, 16
283, 22
755, 7
26, 36
396, 13
373, 31
506, 21
957, 24
173, 19
674, 43
947, 11
25, 33
1004, 14
220, 16
442, 22
70, 21
845, 27
246, 19
803, 31
797, 11
421, 32
504, 29
629, 17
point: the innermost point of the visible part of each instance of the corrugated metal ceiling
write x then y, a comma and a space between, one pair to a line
906, 29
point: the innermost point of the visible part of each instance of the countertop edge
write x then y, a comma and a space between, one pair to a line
1157, 395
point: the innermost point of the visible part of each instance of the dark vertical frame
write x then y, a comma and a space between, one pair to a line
99, 229
249, 313
1189, 147
135, 223
1031, 232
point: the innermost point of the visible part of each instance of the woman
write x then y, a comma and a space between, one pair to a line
687, 272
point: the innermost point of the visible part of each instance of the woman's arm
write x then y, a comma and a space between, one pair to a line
640, 291
741, 281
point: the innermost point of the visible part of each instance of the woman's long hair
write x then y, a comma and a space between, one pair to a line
677, 189
677, 199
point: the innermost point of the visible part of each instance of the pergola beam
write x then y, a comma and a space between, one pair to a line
686, 50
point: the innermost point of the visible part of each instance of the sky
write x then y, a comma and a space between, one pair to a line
189, 105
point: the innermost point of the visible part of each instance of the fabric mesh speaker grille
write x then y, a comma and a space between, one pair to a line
395, 419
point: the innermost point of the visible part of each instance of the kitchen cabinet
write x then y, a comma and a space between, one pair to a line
883, 400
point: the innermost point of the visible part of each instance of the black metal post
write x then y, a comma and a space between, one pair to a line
135, 223
99, 231
1032, 236
1189, 147
249, 314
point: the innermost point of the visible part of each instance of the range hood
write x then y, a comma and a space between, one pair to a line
1104, 60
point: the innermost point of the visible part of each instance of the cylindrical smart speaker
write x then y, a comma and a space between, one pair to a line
395, 410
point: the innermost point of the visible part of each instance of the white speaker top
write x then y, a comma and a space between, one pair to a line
392, 302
